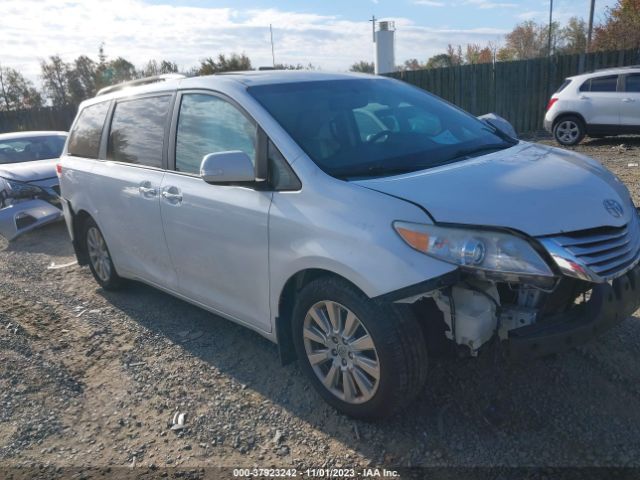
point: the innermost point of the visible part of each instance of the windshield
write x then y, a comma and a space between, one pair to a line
375, 127
27, 149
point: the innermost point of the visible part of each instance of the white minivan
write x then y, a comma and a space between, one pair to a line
359, 222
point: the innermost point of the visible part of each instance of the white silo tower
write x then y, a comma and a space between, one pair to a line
384, 47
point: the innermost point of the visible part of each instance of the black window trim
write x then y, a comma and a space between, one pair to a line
102, 132
261, 160
619, 83
167, 126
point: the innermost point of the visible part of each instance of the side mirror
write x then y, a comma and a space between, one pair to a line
500, 123
227, 167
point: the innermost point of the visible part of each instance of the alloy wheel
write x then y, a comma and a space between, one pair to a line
567, 131
341, 352
98, 254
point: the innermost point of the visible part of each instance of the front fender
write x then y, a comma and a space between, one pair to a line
345, 229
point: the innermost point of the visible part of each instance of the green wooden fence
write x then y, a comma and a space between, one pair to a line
518, 90
47, 118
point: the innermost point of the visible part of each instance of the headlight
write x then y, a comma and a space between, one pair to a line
496, 254
12, 190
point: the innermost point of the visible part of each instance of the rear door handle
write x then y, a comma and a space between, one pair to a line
628, 100
583, 97
172, 195
147, 190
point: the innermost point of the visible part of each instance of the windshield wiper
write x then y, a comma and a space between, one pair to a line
470, 152
380, 171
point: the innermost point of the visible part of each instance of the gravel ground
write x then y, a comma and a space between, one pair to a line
92, 378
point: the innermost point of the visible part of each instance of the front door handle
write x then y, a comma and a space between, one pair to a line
628, 100
172, 195
147, 190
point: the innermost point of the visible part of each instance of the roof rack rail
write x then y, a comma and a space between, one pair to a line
140, 81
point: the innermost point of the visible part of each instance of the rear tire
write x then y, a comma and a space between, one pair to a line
569, 130
366, 358
100, 261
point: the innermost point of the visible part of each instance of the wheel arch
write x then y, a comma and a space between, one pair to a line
79, 219
564, 115
286, 302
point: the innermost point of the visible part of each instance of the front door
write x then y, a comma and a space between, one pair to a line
217, 235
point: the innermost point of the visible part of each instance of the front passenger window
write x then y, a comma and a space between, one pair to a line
209, 124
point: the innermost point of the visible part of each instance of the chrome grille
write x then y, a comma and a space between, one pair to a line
608, 252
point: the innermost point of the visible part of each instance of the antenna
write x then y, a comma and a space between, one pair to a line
373, 27
273, 54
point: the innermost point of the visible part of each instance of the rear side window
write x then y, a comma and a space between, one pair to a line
84, 140
137, 131
632, 82
564, 85
600, 84
209, 124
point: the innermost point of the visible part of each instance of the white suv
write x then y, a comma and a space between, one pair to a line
356, 221
598, 104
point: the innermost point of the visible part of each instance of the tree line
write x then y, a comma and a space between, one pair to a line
69, 83
619, 30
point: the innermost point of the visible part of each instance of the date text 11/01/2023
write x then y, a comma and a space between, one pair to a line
315, 473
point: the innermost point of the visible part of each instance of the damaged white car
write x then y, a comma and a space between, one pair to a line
355, 220
29, 186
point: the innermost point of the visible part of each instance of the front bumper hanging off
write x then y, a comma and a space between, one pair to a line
24, 216
608, 305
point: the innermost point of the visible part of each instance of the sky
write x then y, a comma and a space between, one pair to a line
330, 34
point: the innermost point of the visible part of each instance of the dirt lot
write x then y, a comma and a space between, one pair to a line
92, 378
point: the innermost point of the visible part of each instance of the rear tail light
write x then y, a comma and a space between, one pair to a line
551, 103
59, 169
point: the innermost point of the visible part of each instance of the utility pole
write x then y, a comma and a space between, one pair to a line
373, 27
550, 24
593, 7
273, 53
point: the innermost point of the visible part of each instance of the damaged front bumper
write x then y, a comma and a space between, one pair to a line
607, 306
24, 216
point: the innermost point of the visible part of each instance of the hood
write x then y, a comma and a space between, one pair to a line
29, 171
536, 189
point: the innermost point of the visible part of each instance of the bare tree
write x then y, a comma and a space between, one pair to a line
362, 67
16, 92
55, 80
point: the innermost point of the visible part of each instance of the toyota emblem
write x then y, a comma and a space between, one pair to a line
614, 208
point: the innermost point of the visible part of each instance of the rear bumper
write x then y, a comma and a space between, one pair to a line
548, 125
24, 216
607, 306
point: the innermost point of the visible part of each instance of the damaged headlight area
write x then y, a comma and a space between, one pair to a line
12, 192
488, 254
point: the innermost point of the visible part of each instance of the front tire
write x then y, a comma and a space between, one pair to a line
569, 130
366, 358
100, 261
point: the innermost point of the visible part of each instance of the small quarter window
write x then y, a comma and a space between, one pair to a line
564, 85
137, 131
210, 124
84, 140
281, 177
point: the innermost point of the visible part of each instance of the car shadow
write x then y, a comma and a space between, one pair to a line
472, 411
